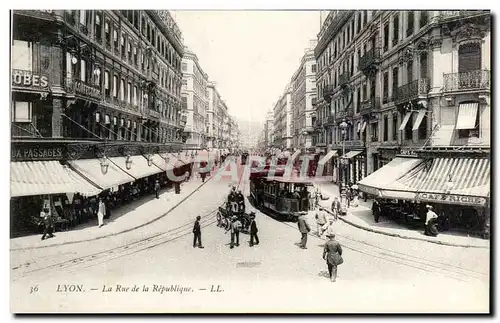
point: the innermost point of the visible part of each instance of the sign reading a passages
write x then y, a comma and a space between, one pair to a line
451, 199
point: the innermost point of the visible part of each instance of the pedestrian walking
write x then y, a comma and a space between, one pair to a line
235, 228
253, 230
157, 189
320, 220
197, 233
328, 227
336, 208
304, 230
101, 211
376, 209
431, 222
332, 253
48, 222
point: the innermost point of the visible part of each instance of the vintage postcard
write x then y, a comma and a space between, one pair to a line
179, 161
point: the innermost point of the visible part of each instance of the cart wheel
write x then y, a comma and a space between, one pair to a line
225, 223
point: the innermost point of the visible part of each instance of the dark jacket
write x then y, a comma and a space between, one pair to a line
253, 227
303, 225
332, 252
197, 228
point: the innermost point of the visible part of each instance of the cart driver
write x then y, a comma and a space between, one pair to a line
241, 201
232, 194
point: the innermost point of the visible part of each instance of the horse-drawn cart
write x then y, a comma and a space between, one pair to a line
230, 209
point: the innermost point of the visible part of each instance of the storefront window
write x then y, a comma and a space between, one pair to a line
21, 111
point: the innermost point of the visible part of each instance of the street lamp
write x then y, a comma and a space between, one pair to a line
343, 161
128, 162
104, 165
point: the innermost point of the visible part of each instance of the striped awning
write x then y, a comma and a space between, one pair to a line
467, 115
161, 163
47, 177
351, 154
173, 161
294, 156
327, 157
90, 169
453, 176
383, 177
405, 121
139, 167
420, 117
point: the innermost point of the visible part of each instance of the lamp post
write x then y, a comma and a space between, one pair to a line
128, 162
449, 184
104, 165
343, 161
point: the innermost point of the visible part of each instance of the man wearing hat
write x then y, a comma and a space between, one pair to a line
253, 230
430, 221
235, 228
332, 253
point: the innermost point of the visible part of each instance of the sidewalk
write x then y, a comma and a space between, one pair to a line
361, 217
123, 219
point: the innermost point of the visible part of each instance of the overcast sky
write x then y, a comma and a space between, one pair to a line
251, 55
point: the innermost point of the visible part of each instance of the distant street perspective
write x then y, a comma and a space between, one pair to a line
361, 186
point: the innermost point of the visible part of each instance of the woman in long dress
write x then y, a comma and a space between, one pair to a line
101, 212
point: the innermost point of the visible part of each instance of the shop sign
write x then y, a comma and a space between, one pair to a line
451, 199
87, 90
37, 153
29, 79
406, 152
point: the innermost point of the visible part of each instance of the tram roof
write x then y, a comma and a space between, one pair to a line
292, 180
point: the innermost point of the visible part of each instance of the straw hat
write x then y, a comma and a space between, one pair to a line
429, 206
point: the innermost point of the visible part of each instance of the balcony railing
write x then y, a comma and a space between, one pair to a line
77, 86
330, 120
411, 91
451, 14
370, 105
328, 92
369, 60
343, 79
475, 80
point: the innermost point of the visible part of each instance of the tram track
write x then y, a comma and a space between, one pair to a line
420, 263
400, 258
146, 243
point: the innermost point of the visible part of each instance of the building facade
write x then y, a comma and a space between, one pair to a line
304, 99
269, 128
90, 74
95, 108
283, 115
195, 99
400, 79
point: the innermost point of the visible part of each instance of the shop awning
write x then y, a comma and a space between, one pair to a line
380, 179
47, 177
327, 157
405, 121
454, 176
173, 161
467, 114
420, 117
443, 136
351, 154
294, 156
139, 167
161, 163
363, 127
90, 169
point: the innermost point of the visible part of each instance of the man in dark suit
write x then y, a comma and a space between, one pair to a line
197, 233
304, 230
253, 230
48, 220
